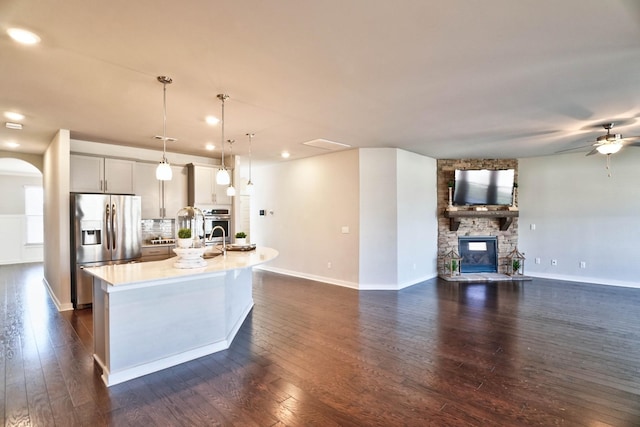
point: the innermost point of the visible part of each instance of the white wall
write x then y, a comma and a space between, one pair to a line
378, 218
57, 271
13, 228
417, 228
581, 215
307, 202
387, 199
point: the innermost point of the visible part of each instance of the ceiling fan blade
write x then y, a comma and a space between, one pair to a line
634, 144
592, 152
573, 149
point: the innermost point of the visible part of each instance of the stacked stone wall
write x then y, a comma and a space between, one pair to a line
448, 240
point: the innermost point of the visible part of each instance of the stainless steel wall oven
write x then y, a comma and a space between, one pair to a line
213, 218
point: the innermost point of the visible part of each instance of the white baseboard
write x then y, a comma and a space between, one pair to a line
343, 283
586, 279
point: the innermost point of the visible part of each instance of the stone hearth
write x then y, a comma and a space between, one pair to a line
484, 277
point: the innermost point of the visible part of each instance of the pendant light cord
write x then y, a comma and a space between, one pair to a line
164, 122
250, 135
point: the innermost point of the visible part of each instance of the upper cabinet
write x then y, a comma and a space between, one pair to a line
90, 174
203, 189
175, 191
156, 195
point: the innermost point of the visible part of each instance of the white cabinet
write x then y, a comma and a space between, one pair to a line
203, 189
154, 194
90, 174
175, 191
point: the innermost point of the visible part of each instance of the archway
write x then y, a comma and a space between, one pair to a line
20, 223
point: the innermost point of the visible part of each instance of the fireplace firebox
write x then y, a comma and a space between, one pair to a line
479, 254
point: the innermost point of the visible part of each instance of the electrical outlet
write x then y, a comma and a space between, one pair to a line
554, 262
583, 264
537, 260
329, 265
532, 226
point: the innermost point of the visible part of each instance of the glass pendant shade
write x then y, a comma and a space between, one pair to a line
250, 187
163, 171
231, 191
610, 148
222, 177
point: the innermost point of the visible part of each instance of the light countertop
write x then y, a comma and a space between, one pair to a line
158, 272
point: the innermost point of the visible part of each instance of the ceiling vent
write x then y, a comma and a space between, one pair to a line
325, 144
10, 125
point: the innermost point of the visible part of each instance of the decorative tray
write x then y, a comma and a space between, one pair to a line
234, 247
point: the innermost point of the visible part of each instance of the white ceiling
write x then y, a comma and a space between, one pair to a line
447, 79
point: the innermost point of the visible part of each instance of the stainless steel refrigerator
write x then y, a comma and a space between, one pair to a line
105, 229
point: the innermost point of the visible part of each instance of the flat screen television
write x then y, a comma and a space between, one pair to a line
483, 187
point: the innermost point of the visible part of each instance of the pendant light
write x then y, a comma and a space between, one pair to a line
163, 171
231, 191
222, 176
250, 183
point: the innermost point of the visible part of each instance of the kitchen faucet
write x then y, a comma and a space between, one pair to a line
224, 237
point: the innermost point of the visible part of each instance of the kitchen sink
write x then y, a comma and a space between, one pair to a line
209, 255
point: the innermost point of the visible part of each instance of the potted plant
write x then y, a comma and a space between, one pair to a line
241, 238
515, 264
454, 267
185, 239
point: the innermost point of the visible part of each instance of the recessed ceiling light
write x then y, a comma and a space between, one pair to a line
23, 36
212, 120
12, 144
210, 147
12, 115
285, 154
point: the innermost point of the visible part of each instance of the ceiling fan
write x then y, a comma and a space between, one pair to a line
611, 143
608, 144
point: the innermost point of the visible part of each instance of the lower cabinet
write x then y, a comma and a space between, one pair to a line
156, 253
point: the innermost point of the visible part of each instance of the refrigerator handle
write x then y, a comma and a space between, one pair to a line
107, 222
114, 225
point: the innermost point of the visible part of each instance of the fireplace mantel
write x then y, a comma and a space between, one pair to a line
505, 217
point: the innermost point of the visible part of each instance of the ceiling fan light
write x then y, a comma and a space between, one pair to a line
610, 148
222, 177
163, 171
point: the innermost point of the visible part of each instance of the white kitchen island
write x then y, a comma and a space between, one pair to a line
150, 316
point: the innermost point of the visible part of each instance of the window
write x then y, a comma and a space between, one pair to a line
33, 207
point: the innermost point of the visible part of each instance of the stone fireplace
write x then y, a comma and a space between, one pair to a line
502, 231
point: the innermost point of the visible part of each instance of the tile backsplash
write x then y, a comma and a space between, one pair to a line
157, 228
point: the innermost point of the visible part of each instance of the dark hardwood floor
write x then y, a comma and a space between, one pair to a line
501, 354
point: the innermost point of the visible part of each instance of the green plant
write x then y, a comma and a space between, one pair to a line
516, 265
450, 184
454, 265
241, 235
184, 233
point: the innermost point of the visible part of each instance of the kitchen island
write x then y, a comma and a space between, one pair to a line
150, 316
